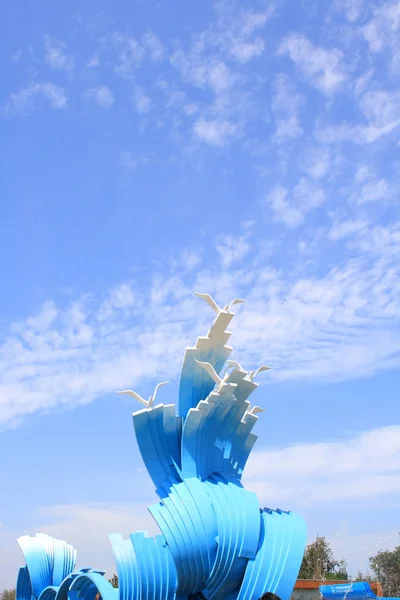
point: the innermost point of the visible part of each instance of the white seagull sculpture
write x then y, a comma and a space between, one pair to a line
253, 374
255, 410
212, 373
147, 403
232, 364
211, 302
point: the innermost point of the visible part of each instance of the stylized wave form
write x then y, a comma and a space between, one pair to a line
216, 543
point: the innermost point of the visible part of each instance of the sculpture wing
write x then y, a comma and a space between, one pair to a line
210, 301
234, 363
260, 370
134, 395
210, 370
237, 301
256, 409
156, 389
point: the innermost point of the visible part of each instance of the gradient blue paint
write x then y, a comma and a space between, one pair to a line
215, 540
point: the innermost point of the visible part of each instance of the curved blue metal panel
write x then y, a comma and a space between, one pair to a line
187, 520
158, 433
24, 587
215, 542
279, 555
49, 593
48, 561
238, 517
88, 585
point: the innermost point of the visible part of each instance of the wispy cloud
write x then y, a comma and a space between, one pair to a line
154, 47
102, 95
382, 31
93, 61
352, 9
216, 133
232, 249
290, 207
340, 324
56, 56
130, 53
286, 104
324, 69
141, 101
216, 62
320, 473
23, 101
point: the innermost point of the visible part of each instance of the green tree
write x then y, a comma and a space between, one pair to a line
114, 580
360, 576
8, 594
386, 567
319, 562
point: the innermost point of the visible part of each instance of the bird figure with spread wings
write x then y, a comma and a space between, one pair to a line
147, 403
211, 302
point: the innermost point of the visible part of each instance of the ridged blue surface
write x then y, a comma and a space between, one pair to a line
279, 555
215, 542
358, 590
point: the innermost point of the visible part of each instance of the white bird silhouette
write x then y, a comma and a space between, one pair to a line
211, 302
147, 403
211, 371
255, 410
253, 374
234, 363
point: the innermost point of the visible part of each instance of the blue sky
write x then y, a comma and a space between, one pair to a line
241, 149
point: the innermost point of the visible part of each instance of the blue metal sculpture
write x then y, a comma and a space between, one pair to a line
216, 543
357, 590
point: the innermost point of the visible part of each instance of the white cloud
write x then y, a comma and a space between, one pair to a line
232, 249
323, 68
154, 46
345, 229
286, 104
351, 8
102, 95
55, 55
130, 55
316, 162
352, 471
244, 52
373, 190
216, 133
128, 161
120, 297
380, 107
214, 63
141, 102
381, 111
23, 101
93, 61
382, 31
291, 208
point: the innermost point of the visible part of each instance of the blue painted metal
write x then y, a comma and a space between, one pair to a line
357, 590
215, 543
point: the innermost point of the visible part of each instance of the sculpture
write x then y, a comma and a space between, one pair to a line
215, 542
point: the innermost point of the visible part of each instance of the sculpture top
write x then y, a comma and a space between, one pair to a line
212, 431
